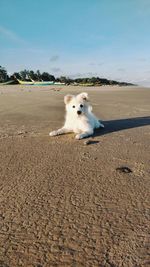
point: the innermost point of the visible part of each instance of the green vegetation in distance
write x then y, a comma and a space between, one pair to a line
28, 75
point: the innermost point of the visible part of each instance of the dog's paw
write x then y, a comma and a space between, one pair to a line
54, 133
78, 137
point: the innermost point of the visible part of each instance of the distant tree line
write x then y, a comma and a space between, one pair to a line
3, 75
26, 75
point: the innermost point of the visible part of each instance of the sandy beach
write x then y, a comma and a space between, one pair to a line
65, 203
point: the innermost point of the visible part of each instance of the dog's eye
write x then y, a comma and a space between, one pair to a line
81, 106
73, 106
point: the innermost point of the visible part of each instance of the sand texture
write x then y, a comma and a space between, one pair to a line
69, 203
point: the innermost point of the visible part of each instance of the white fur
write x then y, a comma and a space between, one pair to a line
83, 124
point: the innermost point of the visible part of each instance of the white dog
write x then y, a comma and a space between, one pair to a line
79, 117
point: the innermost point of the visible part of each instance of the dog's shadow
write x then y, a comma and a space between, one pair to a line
122, 124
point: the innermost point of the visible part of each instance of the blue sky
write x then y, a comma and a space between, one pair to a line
106, 38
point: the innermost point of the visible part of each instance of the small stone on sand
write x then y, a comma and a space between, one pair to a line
124, 169
21, 132
87, 142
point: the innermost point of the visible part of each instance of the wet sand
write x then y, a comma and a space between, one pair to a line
65, 203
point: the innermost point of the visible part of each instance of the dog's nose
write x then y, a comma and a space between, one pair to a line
78, 112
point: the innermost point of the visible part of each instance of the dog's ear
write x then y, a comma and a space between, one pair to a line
83, 96
67, 99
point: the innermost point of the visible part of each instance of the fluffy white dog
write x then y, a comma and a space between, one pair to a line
79, 117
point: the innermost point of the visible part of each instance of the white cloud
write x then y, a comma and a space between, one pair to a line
56, 69
11, 35
96, 64
121, 69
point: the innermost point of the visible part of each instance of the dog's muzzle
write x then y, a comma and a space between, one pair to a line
79, 112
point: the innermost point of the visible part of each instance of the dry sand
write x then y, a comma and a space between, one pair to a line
64, 203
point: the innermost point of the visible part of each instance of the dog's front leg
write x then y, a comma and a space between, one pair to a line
83, 135
62, 130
